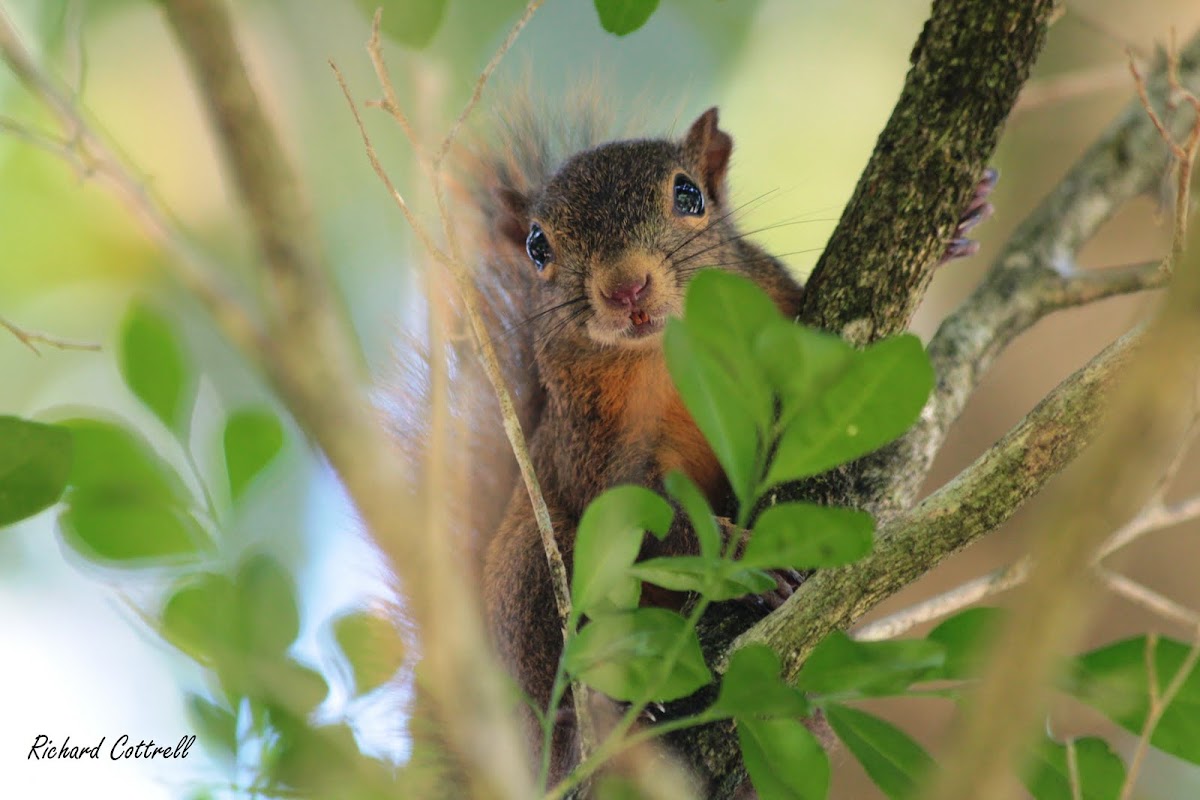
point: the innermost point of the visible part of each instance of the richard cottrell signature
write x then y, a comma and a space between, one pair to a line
47, 749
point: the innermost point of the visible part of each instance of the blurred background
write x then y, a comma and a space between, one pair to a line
804, 87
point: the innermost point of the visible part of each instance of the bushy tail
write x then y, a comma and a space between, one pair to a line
508, 159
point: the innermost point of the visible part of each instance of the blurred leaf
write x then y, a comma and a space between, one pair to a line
1101, 771
608, 540
751, 687
875, 400
35, 462
623, 17
784, 759
1114, 679
113, 459
266, 600
896, 763
118, 530
714, 578
708, 533
624, 655
291, 685
807, 536
840, 666
411, 23
252, 439
216, 726
371, 646
155, 368
200, 618
965, 637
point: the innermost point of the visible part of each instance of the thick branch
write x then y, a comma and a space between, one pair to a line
967, 68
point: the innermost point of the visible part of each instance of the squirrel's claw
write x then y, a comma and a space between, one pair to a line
978, 210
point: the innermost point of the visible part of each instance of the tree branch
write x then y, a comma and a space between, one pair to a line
968, 67
981, 497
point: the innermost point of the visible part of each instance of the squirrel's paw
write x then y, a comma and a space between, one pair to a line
787, 581
978, 210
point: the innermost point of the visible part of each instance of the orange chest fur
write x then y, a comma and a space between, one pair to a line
655, 425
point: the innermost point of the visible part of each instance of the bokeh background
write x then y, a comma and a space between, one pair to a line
804, 87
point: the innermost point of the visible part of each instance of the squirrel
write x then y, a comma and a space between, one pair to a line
585, 250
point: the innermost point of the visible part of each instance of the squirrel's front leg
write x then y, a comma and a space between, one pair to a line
526, 630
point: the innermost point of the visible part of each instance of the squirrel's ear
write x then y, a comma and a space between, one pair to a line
709, 148
512, 216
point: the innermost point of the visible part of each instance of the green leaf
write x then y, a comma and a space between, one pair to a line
411, 23
623, 17
708, 532
154, 366
714, 578
608, 540
784, 759
117, 530
965, 637
625, 654
200, 618
751, 687
801, 364
371, 646
896, 763
215, 725
266, 599
35, 462
252, 439
1114, 679
1101, 771
842, 667
871, 403
717, 402
111, 458
807, 536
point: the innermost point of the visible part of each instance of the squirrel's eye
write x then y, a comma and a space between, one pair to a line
689, 200
538, 247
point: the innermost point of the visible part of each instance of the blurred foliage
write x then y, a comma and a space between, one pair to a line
166, 477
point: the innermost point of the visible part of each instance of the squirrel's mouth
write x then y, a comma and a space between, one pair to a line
642, 324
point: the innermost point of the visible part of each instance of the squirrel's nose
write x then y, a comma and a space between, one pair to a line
626, 295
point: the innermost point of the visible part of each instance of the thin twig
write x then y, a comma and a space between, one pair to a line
1154, 517
1073, 770
418, 228
32, 339
456, 263
1155, 602
91, 156
477, 93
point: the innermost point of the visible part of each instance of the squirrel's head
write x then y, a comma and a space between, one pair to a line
619, 230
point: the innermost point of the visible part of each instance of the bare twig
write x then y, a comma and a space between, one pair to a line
456, 263
1155, 517
1147, 598
90, 156
477, 92
32, 339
